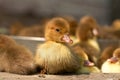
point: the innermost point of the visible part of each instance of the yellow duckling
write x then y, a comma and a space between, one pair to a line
86, 37
112, 65
55, 56
87, 66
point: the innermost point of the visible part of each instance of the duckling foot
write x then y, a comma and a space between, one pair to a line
42, 73
88, 63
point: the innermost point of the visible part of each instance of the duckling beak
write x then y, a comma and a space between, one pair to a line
95, 32
113, 60
67, 39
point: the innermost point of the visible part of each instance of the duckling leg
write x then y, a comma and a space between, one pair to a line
42, 73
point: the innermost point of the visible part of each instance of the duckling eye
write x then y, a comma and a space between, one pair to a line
57, 30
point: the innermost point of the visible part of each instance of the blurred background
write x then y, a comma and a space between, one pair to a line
29, 12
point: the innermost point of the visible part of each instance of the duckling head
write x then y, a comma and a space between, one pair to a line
116, 24
88, 28
57, 29
116, 56
112, 65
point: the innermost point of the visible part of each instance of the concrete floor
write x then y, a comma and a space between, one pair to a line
92, 76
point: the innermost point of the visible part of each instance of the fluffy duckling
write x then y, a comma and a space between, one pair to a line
112, 65
110, 32
106, 54
116, 24
105, 32
14, 57
15, 28
55, 56
87, 66
79, 51
116, 28
86, 32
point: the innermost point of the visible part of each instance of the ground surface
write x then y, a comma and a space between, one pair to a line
92, 76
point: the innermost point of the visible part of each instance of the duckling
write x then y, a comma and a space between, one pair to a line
116, 24
87, 66
106, 54
15, 58
112, 65
110, 32
15, 28
55, 56
116, 28
86, 32
79, 51
105, 32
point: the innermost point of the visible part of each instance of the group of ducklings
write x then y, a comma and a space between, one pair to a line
61, 52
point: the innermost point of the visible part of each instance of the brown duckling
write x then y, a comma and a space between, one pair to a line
55, 56
110, 32
15, 28
81, 53
116, 24
14, 57
86, 38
